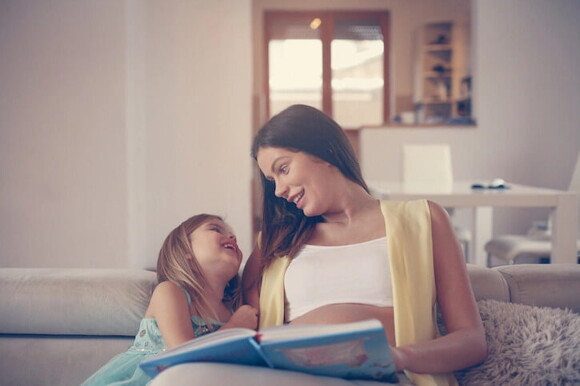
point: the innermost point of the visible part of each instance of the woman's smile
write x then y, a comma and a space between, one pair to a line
296, 199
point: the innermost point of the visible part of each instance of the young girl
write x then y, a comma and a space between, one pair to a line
197, 293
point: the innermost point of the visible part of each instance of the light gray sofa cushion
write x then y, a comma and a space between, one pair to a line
73, 301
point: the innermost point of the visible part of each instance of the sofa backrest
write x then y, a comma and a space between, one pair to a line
543, 285
111, 302
73, 301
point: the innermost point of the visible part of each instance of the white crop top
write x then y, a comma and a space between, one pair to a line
322, 275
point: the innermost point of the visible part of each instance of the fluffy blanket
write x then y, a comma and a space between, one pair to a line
527, 345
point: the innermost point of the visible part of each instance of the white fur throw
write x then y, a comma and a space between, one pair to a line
527, 345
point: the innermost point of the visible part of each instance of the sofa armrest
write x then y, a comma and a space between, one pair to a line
544, 285
488, 283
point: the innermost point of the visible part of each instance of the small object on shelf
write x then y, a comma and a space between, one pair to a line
408, 117
441, 39
442, 90
440, 69
464, 108
466, 87
496, 183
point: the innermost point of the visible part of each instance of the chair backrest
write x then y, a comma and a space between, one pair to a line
575, 181
575, 186
427, 167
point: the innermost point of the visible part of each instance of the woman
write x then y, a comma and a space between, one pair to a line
330, 253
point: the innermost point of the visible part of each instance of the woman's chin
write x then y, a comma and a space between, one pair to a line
310, 213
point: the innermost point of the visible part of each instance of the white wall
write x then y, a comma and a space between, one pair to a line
195, 97
527, 97
63, 193
119, 119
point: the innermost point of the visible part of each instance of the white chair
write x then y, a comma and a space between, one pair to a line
428, 168
537, 244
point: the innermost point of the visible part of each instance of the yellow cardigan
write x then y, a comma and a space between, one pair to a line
409, 247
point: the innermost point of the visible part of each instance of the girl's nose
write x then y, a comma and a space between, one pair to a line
232, 237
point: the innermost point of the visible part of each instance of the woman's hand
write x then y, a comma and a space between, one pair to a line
246, 317
399, 358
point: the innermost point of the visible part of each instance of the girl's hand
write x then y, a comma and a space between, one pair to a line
246, 317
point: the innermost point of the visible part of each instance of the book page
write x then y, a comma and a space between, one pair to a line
219, 336
290, 331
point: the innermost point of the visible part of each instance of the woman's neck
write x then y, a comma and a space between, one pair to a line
353, 203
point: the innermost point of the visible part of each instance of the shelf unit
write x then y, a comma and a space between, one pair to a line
440, 91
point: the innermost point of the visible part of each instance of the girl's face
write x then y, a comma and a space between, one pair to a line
300, 178
215, 248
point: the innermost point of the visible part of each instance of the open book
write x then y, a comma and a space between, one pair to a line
358, 350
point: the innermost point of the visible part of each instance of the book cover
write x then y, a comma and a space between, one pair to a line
234, 345
357, 350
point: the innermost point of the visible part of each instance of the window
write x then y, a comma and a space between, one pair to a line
334, 61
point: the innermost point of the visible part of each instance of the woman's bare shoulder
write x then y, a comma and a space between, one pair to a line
439, 216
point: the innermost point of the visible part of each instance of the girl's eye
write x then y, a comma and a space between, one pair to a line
284, 169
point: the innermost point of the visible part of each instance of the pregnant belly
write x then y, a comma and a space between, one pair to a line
350, 312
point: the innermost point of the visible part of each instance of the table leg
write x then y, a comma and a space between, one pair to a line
564, 230
482, 233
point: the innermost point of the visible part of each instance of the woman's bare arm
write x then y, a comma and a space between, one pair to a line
465, 343
251, 280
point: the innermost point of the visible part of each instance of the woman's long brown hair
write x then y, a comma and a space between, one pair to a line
285, 228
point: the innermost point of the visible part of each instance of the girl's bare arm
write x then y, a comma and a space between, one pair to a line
170, 309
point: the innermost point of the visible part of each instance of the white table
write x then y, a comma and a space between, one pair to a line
460, 195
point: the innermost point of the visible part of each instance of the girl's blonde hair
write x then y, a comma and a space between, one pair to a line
178, 264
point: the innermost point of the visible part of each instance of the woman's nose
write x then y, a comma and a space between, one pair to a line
281, 190
232, 237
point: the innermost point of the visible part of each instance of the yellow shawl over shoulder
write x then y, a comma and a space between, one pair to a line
410, 252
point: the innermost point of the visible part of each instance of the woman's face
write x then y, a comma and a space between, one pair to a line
215, 248
300, 178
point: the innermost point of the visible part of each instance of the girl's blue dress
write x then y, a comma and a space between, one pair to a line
123, 369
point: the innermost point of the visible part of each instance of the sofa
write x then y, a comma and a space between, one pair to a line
57, 326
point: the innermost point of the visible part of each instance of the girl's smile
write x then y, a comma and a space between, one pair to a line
214, 244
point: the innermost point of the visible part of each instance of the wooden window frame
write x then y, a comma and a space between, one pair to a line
327, 32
